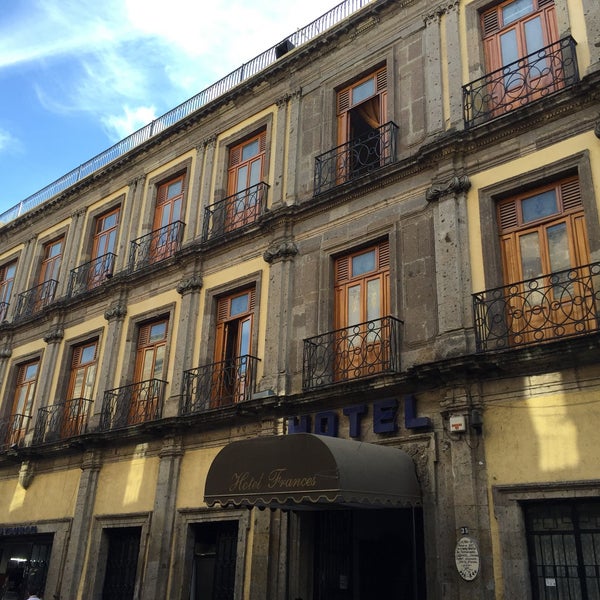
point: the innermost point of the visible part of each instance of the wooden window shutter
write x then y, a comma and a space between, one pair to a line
222, 309
144, 335
235, 155
162, 193
570, 193
77, 352
545, 3
490, 22
262, 141
342, 269
507, 215
381, 79
252, 299
384, 254
343, 101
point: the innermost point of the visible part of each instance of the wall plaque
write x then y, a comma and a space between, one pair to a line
466, 556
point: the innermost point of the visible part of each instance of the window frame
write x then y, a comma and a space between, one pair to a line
6, 284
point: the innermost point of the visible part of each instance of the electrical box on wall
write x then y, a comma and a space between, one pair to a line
458, 423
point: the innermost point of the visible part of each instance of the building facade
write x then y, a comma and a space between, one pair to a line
327, 330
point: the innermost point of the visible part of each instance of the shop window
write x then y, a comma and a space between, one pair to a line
563, 540
123, 549
26, 382
232, 374
213, 569
362, 300
545, 256
244, 182
7, 278
512, 31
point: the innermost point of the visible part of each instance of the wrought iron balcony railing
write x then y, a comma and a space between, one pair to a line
353, 352
156, 246
235, 212
356, 158
132, 404
551, 307
3, 311
61, 421
218, 384
36, 298
13, 430
530, 78
91, 274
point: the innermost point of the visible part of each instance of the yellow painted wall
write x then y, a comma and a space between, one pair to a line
511, 169
127, 486
192, 477
49, 496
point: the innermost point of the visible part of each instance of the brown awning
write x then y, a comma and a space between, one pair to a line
304, 470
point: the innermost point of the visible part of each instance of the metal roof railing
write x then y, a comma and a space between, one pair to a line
221, 87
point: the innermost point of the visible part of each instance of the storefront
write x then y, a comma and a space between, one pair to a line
355, 516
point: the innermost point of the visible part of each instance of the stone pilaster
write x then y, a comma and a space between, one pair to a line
130, 232
81, 524
163, 521
454, 64
291, 156
433, 74
53, 339
280, 257
453, 277
193, 228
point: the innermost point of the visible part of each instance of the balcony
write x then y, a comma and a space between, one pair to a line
563, 304
156, 246
535, 76
218, 385
3, 311
132, 404
13, 430
61, 421
91, 274
362, 350
35, 299
356, 158
235, 212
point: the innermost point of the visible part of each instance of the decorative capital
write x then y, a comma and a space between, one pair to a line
210, 142
5, 352
118, 311
456, 185
193, 284
280, 251
54, 335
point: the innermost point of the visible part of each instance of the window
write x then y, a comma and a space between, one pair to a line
7, 278
215, 553
244, 176
103, 250
27, 374
232, 375
167, 217
81, 385
150, 371
362, 298
511, 31
48, 279
545, 251
563, 540
123, 549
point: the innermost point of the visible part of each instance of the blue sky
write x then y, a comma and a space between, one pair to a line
76, 76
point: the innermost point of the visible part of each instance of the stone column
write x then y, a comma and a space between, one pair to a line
280, 257
133, 201
434, 114
292, 141
70, 258
454, 62
53, 340
205, 198
186, 339
453, 278
81, 524
194, 200
158, 565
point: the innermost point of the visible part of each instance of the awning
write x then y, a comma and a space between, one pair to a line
303, 470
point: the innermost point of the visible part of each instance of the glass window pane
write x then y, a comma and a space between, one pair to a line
77, 384
373, 299
242, 178
239, 304
88, 354
147, 372
158, 332
31, 372
558, 248
159, 363
363, 263
534, 38
255, 173
245, 338
89, 382
539, 206
354, 305
363, 91
531, 263
515, 10
508, 44
250, 150
174, 188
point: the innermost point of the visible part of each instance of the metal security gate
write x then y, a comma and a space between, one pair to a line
564, 549
121, 563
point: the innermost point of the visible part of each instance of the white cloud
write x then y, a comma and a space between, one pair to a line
9, 143
132, 119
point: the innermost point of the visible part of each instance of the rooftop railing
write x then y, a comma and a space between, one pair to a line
547, 308
218, 89
530, 78
353, 352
